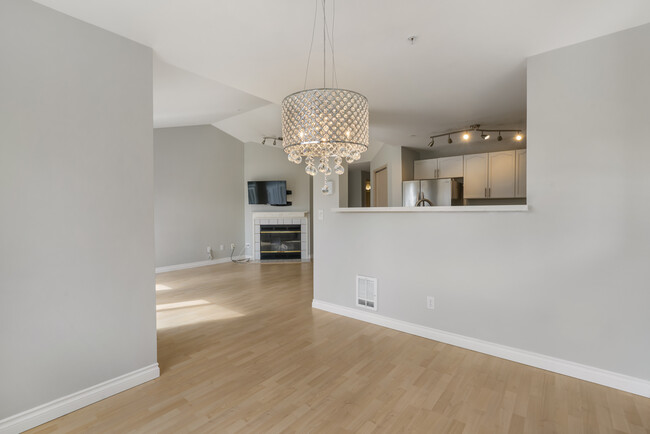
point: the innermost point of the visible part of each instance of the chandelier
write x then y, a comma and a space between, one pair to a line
324, 126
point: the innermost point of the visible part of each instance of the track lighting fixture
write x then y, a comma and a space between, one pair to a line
485, 134
275, 139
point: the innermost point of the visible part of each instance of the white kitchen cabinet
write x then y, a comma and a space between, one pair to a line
450, 167
501, 174
520, 169
446, 167
425, 169
476, 176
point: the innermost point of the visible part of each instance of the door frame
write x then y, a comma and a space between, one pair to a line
374, 183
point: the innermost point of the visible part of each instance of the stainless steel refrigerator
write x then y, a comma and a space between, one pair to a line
432, 192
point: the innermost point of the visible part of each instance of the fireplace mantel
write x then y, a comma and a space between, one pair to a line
266, 215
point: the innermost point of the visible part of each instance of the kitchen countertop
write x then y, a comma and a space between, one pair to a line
476, 208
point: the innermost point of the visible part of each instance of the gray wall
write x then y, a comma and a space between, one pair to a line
569, 278
408, 159
265, 163
355, 198
77, 300
198, 173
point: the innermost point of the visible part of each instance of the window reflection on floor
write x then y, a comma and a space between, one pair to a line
191, 312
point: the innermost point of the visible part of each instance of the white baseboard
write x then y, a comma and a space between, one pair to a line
615, 380
197, 264
57, 408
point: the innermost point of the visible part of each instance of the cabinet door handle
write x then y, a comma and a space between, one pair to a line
485, 193
489, 191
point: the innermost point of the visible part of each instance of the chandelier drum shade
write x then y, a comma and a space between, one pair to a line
326, 125
319, 124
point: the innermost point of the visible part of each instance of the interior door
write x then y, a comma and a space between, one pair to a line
476, 175
502, 174
381, 187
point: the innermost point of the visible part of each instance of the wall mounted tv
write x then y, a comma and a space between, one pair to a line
268, 193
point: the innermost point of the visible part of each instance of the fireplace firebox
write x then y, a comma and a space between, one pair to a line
280, 242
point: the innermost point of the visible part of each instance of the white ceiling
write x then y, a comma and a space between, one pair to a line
467, 64
181, 98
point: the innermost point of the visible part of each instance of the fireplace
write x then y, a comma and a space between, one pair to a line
277, 236
280, 242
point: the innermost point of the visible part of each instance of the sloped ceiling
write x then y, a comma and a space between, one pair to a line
467, 64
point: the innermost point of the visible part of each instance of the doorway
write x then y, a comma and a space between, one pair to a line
381, 187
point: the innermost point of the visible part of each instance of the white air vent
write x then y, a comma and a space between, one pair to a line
367, 292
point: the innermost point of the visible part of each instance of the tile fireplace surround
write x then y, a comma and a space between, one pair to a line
282, 218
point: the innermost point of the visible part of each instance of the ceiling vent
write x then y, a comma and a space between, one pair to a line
367, 292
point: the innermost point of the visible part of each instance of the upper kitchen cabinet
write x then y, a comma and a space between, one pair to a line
476, 176
425, 169
447, 167
450, 167
501, 174
520, 169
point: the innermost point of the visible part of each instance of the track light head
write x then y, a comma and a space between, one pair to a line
449, 139
499, 138
484, 136
465, 135
518, 137
275, 141
431, 142
264, 141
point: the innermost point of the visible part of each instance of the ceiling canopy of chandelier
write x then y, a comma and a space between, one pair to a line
323, 124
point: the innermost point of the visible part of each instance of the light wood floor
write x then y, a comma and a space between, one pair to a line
241, 350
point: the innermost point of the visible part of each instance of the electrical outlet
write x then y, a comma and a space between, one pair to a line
221, 247
248, 245
430, 304
320, 214
209, 249
232, 246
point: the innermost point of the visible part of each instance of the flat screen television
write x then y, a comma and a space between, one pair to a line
267, 192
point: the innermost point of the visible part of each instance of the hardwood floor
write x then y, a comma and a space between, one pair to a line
241, 350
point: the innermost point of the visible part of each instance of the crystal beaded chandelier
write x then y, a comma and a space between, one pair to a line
324, 124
